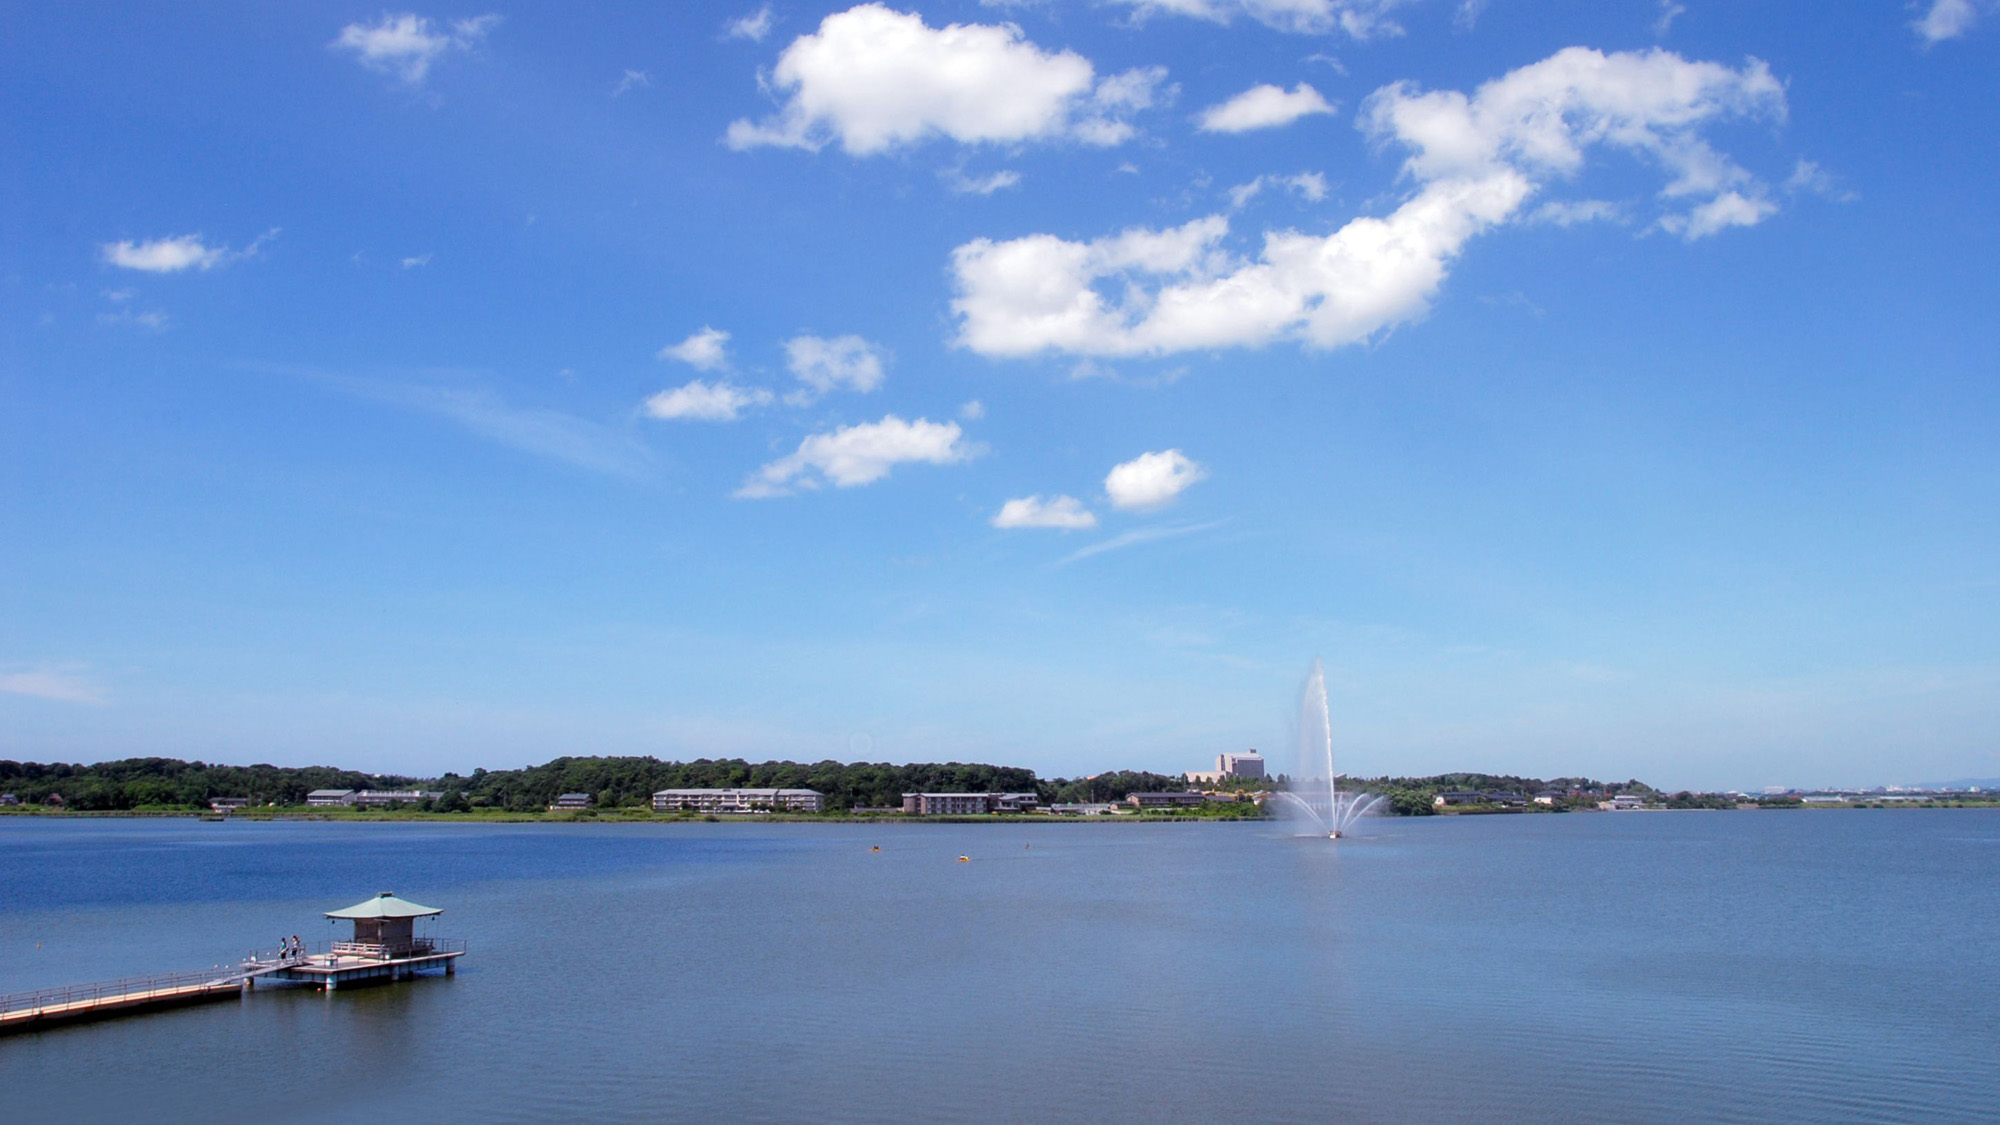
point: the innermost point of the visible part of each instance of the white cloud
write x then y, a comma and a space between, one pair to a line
1730, 209
1468, 13
1946, 19
1669, 12
1066, 513
118, 296
825, 365
1151, 480
719, 401
58, 686
1475, 160
181, 252
753, 27
1362, 19
1309, 186
406, 45
632, 80
1263, 107
416, 262
982, 185
875, 79
702, 351
972, 411
856, 455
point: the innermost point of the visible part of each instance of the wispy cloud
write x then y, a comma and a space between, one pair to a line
417, 261
151, 320
1141, 536
58, 685
753, 27
552, 435
1670, 11
633, 80
982, 185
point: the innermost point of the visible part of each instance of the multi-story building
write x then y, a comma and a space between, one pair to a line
947, 804
739, 800
569, 802
329, 797
1247, 764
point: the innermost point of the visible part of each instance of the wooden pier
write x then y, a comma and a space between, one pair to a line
22, 1010
384, 948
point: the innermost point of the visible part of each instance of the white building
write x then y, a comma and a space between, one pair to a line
739, 800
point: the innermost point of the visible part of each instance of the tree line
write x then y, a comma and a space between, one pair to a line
163, 783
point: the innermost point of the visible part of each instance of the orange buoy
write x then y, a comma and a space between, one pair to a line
876, 848
965, 859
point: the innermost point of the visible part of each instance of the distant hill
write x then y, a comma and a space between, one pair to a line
1961, 783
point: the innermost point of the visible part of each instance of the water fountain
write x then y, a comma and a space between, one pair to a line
1318, 798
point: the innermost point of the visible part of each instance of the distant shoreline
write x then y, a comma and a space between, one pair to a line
413, 816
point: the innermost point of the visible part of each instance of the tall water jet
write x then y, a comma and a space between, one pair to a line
1315, 787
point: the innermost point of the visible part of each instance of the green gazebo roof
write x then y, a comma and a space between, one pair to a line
385, 905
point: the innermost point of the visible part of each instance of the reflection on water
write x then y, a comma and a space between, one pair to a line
1633, 967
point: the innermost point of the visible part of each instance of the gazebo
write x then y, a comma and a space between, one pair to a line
384, 927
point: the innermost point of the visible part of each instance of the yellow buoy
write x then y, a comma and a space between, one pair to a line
965, 859
876, 848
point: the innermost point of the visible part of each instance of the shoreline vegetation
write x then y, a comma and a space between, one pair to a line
620, 791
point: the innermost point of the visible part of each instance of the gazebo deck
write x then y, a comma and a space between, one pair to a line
345, 961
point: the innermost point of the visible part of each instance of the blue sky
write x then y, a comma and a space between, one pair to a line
1600, 387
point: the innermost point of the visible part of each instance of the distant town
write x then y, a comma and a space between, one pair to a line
1240, 786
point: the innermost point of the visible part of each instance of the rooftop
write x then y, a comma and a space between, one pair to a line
385, 905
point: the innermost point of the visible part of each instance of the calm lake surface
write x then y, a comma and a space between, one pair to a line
1804, 966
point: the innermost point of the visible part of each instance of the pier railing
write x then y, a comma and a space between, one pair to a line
383, 950
124, 989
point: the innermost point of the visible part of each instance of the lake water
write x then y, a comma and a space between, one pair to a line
1802, 966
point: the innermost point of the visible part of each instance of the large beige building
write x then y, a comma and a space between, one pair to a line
739, 800
1247, 764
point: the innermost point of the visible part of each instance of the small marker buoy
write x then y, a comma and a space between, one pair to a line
965, 859
876, 848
